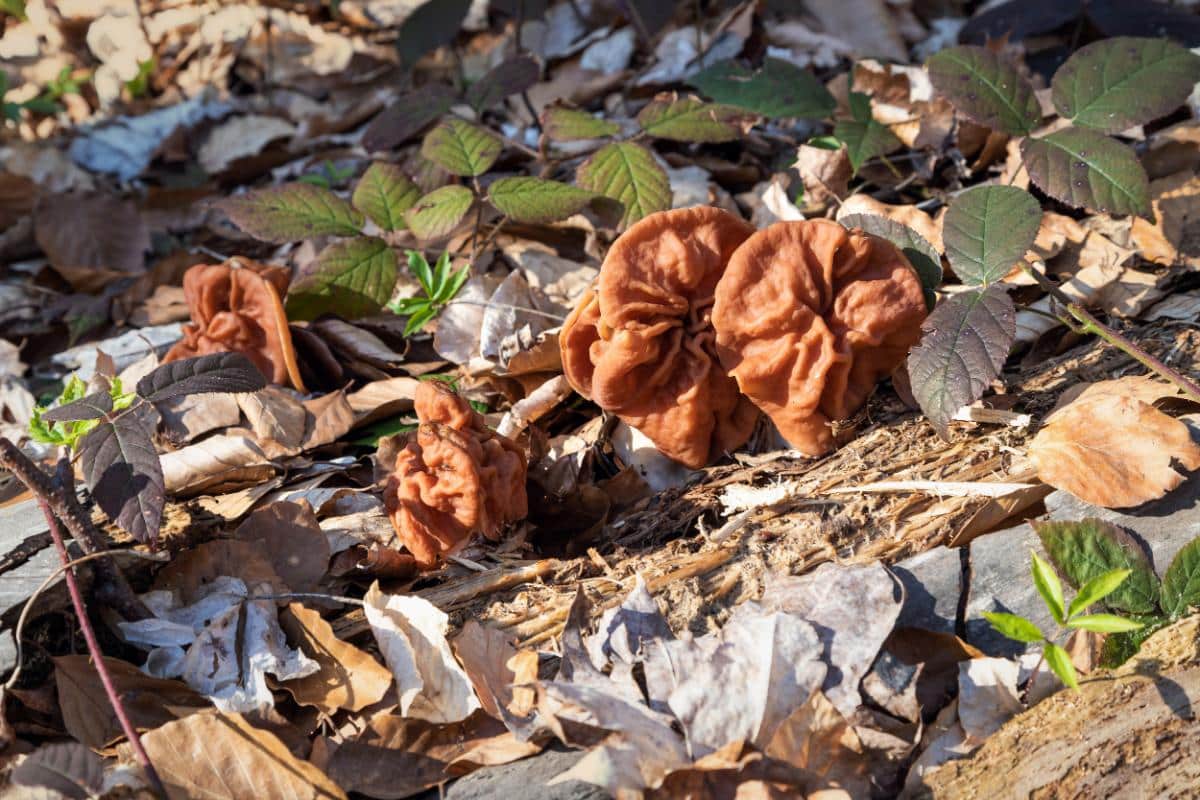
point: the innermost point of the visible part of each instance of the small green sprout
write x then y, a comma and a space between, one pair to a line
439, 286
68, 433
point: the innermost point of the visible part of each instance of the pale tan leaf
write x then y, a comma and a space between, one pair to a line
219, 460
348, 678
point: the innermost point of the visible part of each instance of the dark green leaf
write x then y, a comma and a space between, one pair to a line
689, 119
919, 252
1060, 663
1120, 647
351, 278
217, 372
537, 201
1092, 547
93, 406
627, 173
1086, 169
429, 27
384, 193
1049, 587
1013, 626
439, 212
1113, 84
1181, 583
562, 124
1097, 589
407, 116
121, 468
462, 148
507, 78
1104, 623
14, 8
292, 212
985, 87
965, 345
860, 106
865, 140
987, 230
778, 89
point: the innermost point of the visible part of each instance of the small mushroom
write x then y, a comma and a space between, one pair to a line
453, 477
236, 307
809, 316
641, 344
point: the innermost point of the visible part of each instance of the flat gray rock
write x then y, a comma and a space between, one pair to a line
932, 582
526, 779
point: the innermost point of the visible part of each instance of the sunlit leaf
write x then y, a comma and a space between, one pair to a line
352, 278
216, 372
439, 212
987, 230
1090, 548
777, 89
419, 267
985, 87
462, 148
1181, 583
92, 406
965, 345
384, 193
1097, 589
1113, 84
534, 200
1013, 626
1060, 663
919, 252
562, 124
689, 119
1104, 623
506, 78
1086, 169
1049, 587
628, 173
291, 212
120, 466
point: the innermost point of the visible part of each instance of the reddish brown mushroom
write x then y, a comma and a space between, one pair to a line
641, 344
454, 477
809, 316
237, 307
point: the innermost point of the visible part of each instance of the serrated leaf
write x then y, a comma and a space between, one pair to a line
1181, 583
92, 406
352, 278
384, 193
986, 88
507, 78
1120, 647
291, 212
965, 345
571, 125
1097, 589
987, 230
461, 148
1086, 549
865, 140
1086, 169
627, 173
1048, 586
690, 119
407, 116
1113, 84
121, 469
439, 212
1013, 626
537, 201
216, 372
916, 248
1060, 663
778, 89
1104, 623
430, 26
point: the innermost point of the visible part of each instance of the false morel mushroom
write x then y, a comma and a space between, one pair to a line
809, 316
237, 307
641, 344
453, 477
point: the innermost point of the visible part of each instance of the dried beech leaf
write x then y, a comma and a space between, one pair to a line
407, 116
217, 372
1113, 451
82, 232
122, 471
349, 678
67, 768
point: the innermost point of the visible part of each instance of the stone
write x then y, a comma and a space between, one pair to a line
527, 779
1001, 581
932, 583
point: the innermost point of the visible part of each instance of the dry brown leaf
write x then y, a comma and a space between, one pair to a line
222, 460
91, 238
826, 174
911, 216
292, 539
349, 678
380, 399
223, 757
1113, 449
816, 737
1175, 237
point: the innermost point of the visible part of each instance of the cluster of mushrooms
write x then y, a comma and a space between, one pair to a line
697, 323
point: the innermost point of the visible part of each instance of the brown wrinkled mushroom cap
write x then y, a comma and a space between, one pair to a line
809, 316
454, 477
641, 344
236, 307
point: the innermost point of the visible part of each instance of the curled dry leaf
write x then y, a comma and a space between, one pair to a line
1111, 448
348, 678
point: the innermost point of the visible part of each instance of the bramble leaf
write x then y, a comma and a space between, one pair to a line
1086, 169
506, 78
384, 193
628, 173
865, 140
462, 148
428, 27
407, 116
777, 89
1086, 549
534, 200
1013, 626
291, 212
919, 252
1181, 583
563, 124
216, 372
690, 119
92, 406
986, 88
351, 278
987, 230
439, 212
1049, 587
121, 468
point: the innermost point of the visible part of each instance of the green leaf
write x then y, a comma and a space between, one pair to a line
292, 212
408, 306
1097, 589
628, 173
369, 435
987, 230
1181, 583
860, 106
1084, 550
462, 148
778, 89
14, 8
1060, 663
1104, 623
689, 119
407, 116
1086, 169
865, 140
919, 252
1113, 84
506, 78
419, 319
384, 193
449, 289
351, 278
1013, 626
439, 212
986, 88
562, 124
1049, 587
441, 270
420, 267
537, 201
1120, 647
965, 345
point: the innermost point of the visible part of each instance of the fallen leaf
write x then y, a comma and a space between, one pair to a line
292, 539
222, 460
67, 769
347, 677
826, 174
241, 137
91, 238
987, 695
1174, 237
911, 216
